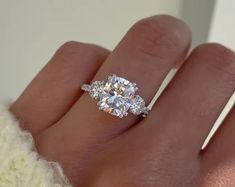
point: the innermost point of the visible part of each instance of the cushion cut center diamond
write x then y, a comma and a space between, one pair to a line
117, 93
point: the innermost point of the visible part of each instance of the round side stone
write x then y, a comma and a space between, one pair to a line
96, 89
137, 105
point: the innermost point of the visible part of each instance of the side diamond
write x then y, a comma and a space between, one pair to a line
96, 89
137, 105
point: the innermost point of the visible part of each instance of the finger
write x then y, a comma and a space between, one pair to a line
57, 86
190, 105
218, 159
144, 56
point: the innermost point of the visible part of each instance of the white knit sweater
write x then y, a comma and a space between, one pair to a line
20, 165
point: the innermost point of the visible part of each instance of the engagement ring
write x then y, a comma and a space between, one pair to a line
117, 96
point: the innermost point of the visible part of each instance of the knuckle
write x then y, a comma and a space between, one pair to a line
216, 51
71, 44
72, 47
71, 52
217, 57
165, 31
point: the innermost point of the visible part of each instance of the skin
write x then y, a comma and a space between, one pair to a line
96, 149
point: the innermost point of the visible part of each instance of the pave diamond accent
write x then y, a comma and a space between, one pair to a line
116, 96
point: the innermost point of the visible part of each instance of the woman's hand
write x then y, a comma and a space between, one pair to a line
164, 150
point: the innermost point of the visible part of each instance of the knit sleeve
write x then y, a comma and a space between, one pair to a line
20, 164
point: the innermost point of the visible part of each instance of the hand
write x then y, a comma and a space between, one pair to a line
97, 149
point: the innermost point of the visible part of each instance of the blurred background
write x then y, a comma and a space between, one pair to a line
31, 31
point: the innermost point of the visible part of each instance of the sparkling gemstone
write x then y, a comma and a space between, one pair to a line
137, 105
115, 105
120, 86
116, 96
96, 89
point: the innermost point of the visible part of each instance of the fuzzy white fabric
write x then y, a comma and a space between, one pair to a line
20, 165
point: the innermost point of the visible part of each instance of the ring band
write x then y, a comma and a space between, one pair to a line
117, 96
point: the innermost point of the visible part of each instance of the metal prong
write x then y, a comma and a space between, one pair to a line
145, 112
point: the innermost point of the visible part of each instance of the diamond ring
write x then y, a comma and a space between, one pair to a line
117, 96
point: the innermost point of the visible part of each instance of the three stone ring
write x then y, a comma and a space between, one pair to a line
117, 96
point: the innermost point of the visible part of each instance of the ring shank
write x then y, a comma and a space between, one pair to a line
86, 87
